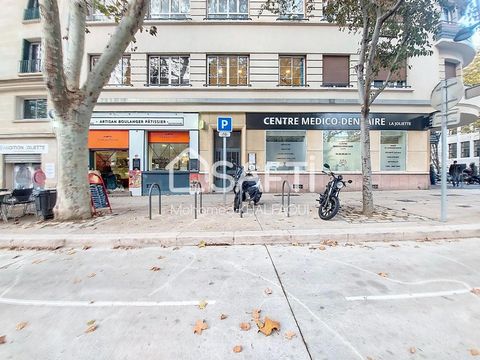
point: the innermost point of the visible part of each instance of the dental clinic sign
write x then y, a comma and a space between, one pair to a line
23, 148
335, 121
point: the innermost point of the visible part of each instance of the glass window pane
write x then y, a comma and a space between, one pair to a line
184, 6
212, 70
243, 6
243, 70
175, 7
285, 150
341, 150
164, 156
164, 71
126, 71
153, 70
212, 6
233, 71
222, 70
298, 72
164, 8
222, 6
175, 71
155, 8
393, 150
29, 109
232, 6
285, 71
41, 109
185, 71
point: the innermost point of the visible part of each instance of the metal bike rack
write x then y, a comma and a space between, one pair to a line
197, 188
150, 200
285, 182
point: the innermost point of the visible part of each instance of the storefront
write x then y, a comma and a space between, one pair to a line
162, 146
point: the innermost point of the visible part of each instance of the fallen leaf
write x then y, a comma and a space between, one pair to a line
256, 314
321, 247
71, 252
245, 326
202, 305
268, 291
91, 328
3, 339
383, 274
155, 268
22, 325
394, 245
161, 257
295, 244
237, 349
223, 317
38, 261
202, 244
369, 358
86, 247
91, 322
476, 291
474, 352
268, 326
330, 242
92, 275
289, 335
412, 350
200, 325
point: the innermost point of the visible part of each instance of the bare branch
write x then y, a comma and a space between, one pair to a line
75, 42
53, 55
124, 34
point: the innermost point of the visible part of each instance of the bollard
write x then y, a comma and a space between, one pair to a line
150, 200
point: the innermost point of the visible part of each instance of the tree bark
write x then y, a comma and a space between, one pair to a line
73, 193
367, 189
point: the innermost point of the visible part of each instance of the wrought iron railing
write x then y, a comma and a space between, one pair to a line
30, 66
31, 13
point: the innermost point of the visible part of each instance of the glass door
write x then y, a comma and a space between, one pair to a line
233, 154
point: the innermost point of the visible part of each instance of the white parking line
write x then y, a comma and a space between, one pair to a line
67, 303
408, 296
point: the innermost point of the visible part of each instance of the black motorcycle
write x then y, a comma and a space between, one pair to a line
246, 187
329, 202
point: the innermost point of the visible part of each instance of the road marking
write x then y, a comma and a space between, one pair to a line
408, 296
67, 303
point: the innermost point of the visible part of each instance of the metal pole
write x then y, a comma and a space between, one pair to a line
443, 216
224, 171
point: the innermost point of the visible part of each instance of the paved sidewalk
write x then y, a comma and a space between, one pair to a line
400, 215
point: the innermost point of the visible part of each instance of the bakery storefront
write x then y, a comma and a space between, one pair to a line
133, 150
294, 147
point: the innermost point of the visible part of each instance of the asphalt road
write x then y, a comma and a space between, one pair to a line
372, 301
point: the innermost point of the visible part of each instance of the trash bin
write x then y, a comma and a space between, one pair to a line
44, 202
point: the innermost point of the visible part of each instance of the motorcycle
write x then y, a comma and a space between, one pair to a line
329, 201
468, 178
246, 187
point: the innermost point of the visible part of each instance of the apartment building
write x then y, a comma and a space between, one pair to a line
288, 82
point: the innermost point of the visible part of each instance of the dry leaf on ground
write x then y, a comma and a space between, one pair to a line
382, 274
38, 261
268, 326
22, 325
237, 349
321, 247
176, 248
256, 314
245, 326
86, 247
71, 252
289, 335
474, 352
412, 350
202, 244
202, 305
330, 242
91, 328
3, 339
268, 291
223, 316
476, 291
200, 325
160, 257
155, 268
91, 322
92, 275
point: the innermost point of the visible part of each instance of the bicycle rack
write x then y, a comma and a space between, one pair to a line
288, 197
197, 188
150, 200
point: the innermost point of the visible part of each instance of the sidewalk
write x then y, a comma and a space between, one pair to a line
400, 215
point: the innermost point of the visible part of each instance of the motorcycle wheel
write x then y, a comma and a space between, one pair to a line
330, 210
237, 202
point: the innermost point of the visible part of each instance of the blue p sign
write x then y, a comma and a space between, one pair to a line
224, 124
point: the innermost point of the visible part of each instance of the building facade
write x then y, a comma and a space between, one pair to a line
288, 83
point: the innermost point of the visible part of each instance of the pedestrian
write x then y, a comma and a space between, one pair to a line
454, 172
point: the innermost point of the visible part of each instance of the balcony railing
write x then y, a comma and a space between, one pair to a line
31, 13
447, 30
30, 66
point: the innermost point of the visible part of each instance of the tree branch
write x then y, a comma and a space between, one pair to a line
392, 11
124, 34
75, 42
363, 50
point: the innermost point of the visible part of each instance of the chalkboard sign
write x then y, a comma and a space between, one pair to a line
98, 193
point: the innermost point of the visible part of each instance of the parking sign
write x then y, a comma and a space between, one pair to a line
224, 124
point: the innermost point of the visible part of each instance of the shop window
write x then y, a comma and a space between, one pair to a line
23, 175
336, 71
227, 9
398, 78
32, 57
113, 166
450, 70
465, 149
228, 70
452, 151
169, 70
292, 9
35, 109
121, 74
341, 150
393, 150
285, 150
168, 150
32, 11
292, 70
169, 9
476, 148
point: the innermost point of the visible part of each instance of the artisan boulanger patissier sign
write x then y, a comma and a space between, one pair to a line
335, 121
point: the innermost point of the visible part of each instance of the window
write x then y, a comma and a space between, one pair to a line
341, 149
465, 149
336, 70
285, 150
450, 70
393, 150
452, 151
228, 70
120, 74
292, 9
476, 148
32, 57
95, 14
32, 11
168, 70
292, 70
35, 109
398, 78
452, 131
227, 9
169, 9
168, 150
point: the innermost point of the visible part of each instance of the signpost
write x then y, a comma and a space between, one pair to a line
445, 96
224, 128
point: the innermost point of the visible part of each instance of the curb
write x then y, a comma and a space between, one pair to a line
272, 237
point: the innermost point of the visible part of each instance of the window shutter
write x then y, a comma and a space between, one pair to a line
450, 70
336, 70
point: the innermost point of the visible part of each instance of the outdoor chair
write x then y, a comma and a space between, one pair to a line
17, 197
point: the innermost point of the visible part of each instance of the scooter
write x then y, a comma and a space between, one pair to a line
329, 202
246, 187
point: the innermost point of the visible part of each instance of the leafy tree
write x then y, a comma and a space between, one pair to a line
471, 74
74, 102
391, 31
